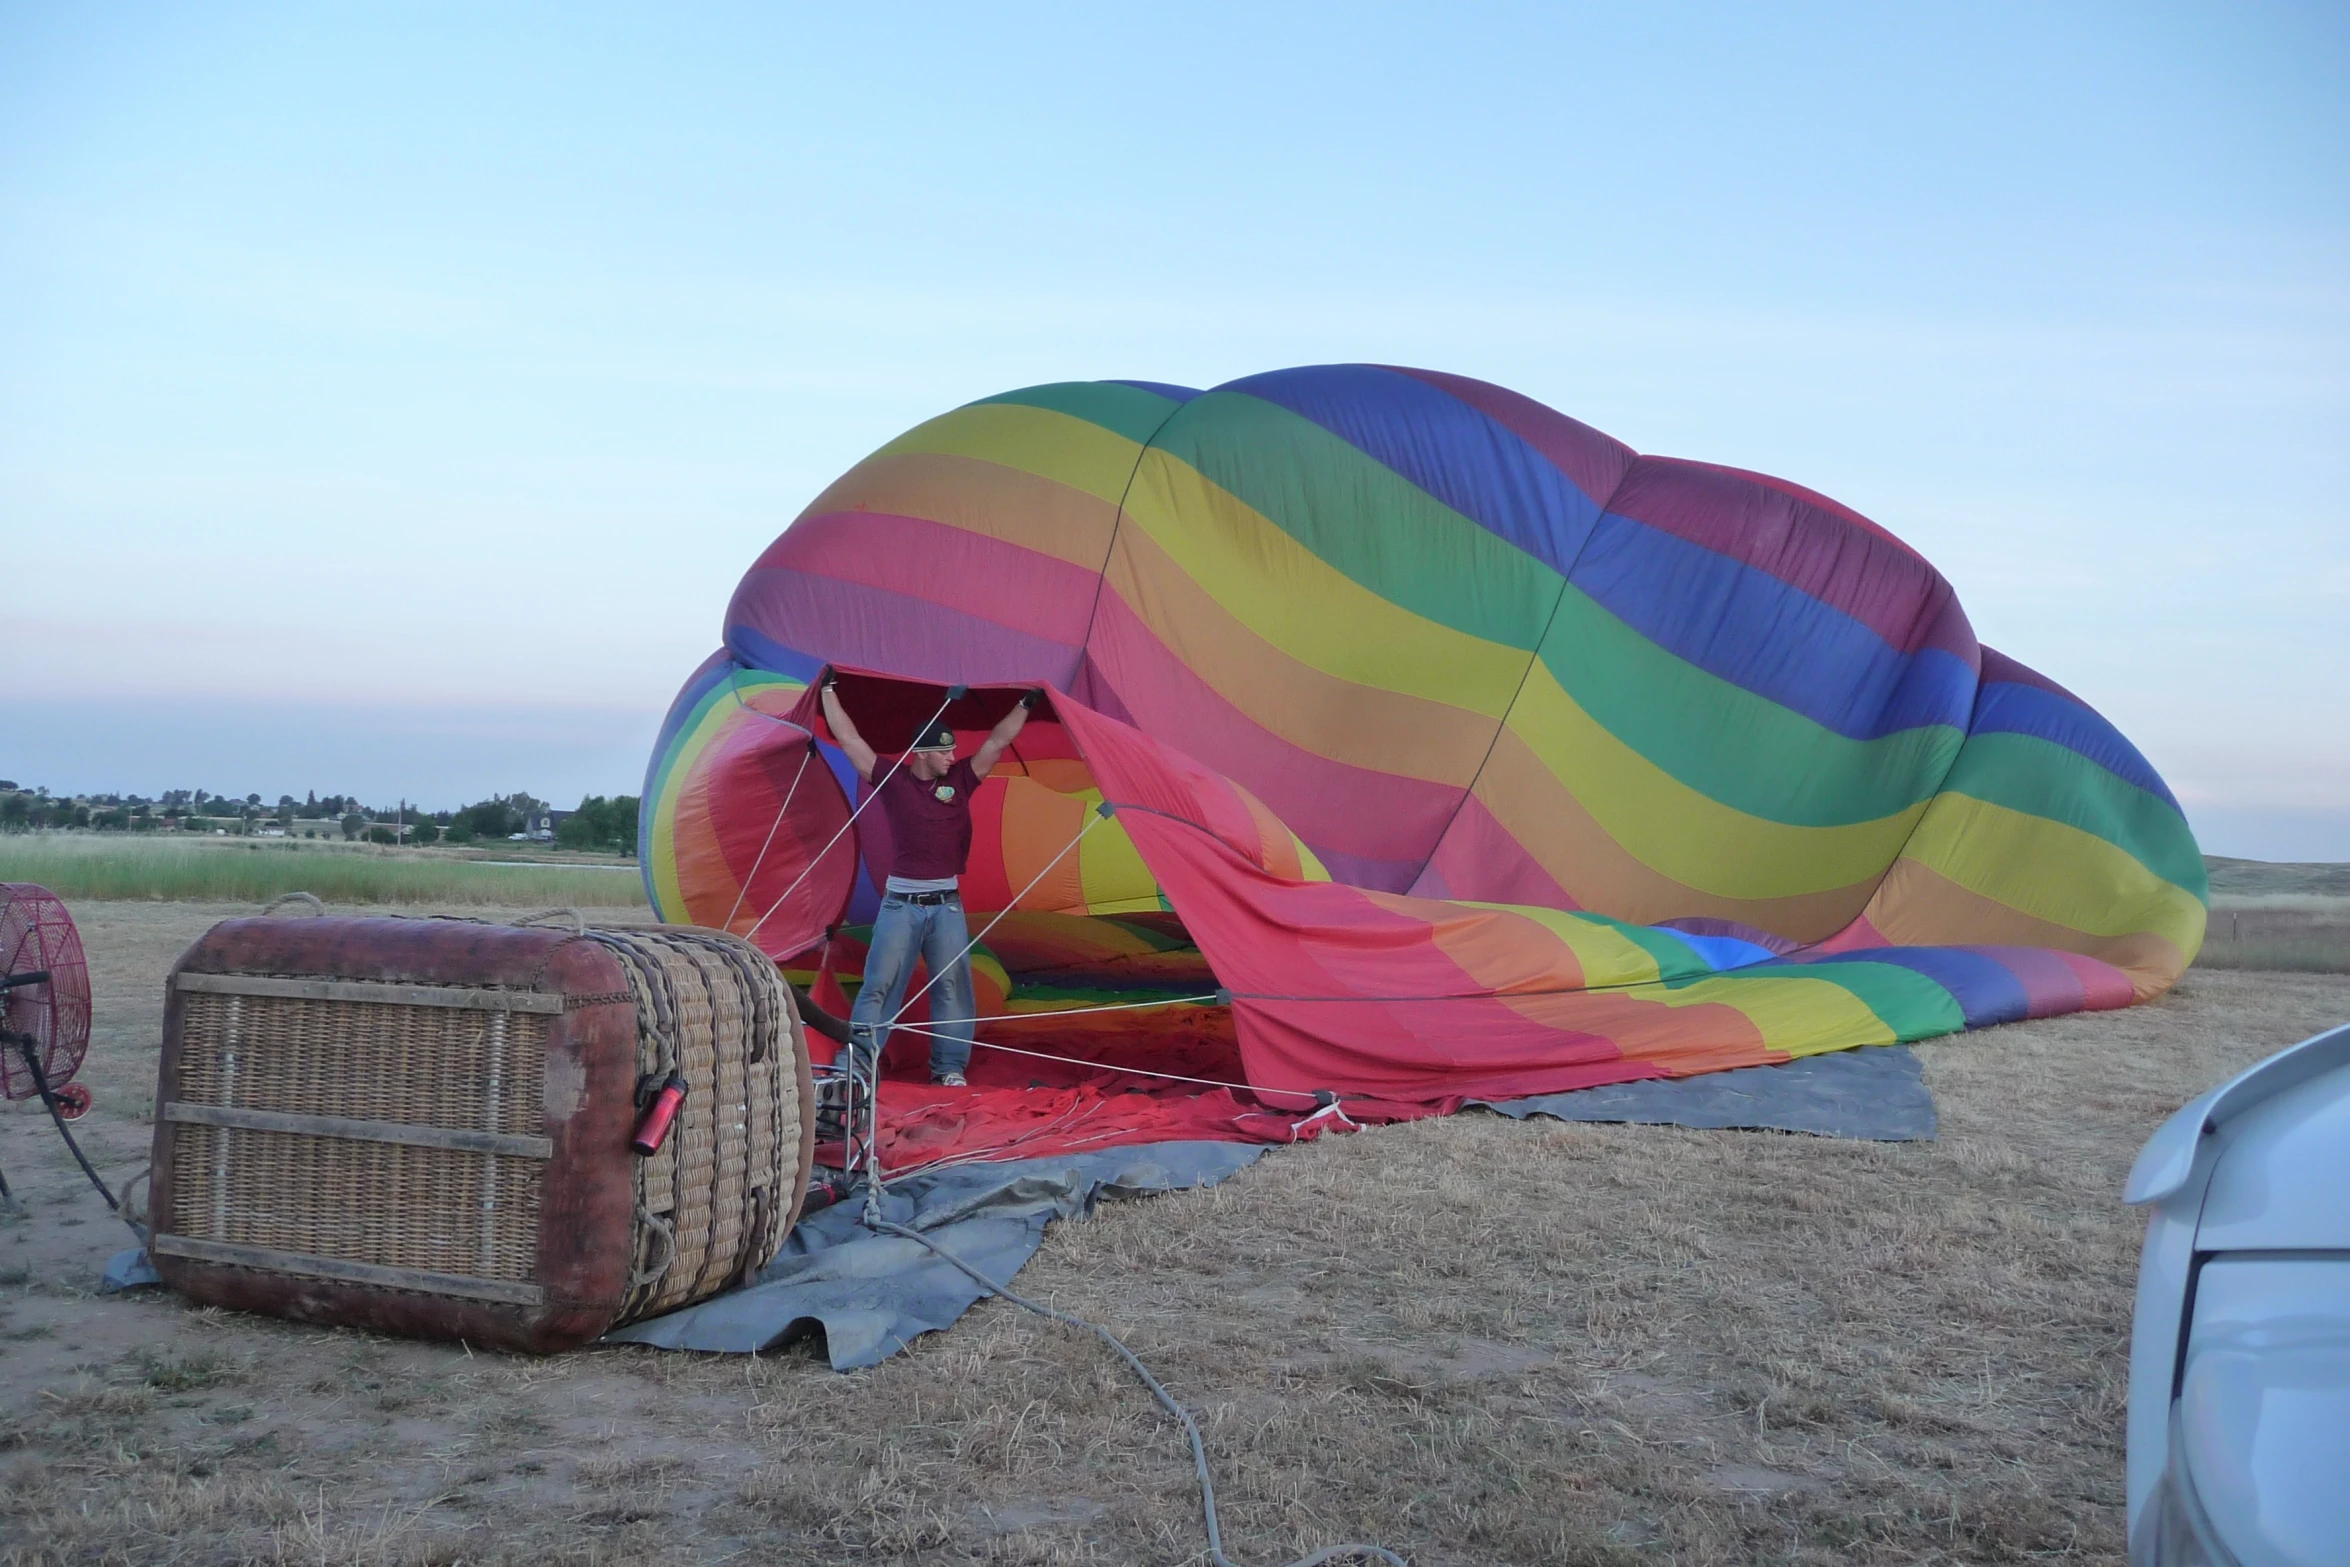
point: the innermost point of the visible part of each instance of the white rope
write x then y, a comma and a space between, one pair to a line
871, 795
1105, 1066
782, 811
1050, 1015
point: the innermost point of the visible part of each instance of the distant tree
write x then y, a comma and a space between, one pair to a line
600, 824
381, 834
423, 832
253, 799
496, 817
16, 811
353, 824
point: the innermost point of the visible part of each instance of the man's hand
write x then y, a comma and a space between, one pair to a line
1002, 735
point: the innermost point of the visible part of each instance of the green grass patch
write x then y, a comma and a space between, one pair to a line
108, 866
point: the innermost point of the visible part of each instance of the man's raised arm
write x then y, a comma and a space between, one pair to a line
852, 744
1007, 730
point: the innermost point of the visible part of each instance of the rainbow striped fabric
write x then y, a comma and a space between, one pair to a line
1489, 756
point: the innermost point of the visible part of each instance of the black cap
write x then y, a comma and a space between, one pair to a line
938, 737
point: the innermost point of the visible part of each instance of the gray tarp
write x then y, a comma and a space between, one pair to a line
871, 1294
1877, 1094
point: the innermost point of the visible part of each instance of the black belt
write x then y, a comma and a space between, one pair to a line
926, 897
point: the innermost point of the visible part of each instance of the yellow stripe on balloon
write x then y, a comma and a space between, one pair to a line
1686, 835
726, 706
1607, 955
1056, 446
1302, 604
2053, 872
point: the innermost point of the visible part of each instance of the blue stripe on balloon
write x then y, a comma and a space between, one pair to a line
1478, 467
1986, 990
1721, 953
761, 651
2006, 707
1760, 633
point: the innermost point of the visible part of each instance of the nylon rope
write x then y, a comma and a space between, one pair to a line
743, 891
1104, 1066
871, 795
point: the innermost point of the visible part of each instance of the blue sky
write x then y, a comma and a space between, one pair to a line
390, 397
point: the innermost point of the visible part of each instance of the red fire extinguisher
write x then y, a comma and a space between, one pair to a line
652, 1128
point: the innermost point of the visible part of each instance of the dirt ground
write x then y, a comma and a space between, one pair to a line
1472, 1339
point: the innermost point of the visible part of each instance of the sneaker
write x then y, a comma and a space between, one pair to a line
950, 1080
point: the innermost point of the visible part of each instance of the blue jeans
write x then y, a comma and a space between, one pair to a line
936, 933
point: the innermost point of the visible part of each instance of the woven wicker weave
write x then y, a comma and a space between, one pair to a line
361, 1127
712, 1009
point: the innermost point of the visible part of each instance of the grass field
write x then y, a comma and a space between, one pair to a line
1478, 1340
2279, 918
225, 870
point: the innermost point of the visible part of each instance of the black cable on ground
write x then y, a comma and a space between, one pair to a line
1199, 1451
32, 1060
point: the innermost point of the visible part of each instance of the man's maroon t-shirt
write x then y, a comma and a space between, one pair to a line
929, 822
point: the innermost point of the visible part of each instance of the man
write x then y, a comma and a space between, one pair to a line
926, 797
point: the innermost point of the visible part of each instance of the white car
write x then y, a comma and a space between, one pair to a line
2239, 1438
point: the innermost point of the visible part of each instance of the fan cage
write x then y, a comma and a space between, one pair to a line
37, 934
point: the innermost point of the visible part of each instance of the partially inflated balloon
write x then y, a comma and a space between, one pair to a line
1478, 753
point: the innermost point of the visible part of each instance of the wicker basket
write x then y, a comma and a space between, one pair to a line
423, 1126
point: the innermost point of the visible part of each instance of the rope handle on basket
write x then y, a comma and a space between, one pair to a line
645, 1278
548, 916
309, 900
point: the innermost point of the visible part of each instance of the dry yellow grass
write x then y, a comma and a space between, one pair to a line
1476, 1340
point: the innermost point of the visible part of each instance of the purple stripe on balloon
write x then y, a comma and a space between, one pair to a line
1860, 570
874, 628
1596, 462
1021, 589
2051, 984
1747, 626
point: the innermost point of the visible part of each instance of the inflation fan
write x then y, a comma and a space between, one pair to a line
44, 1010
